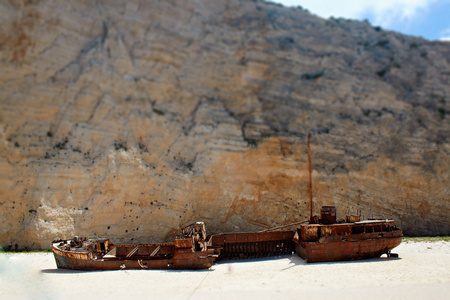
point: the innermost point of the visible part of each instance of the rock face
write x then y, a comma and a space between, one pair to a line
129, 119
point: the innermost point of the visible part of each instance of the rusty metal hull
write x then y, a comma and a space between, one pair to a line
82, 261
85, 261
348, 246
314, 242
188, 251
253, 244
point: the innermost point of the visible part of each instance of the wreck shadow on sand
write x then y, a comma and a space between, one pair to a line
357, 261
64, 271
70, 271
294, 260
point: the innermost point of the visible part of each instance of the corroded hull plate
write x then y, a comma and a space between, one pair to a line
362, 246
83, 261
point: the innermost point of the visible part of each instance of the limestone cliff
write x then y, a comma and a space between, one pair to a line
129, 119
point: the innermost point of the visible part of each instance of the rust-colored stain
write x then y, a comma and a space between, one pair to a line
424, 208
21, 43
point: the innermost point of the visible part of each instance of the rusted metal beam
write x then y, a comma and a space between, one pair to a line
284, 226
133, 251
155, 251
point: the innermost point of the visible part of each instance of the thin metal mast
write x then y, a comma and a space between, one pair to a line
310, 180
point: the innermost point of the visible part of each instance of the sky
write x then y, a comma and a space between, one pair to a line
425, 18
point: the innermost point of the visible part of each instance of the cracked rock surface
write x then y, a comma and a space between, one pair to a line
129, 119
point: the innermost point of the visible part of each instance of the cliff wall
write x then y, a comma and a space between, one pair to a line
129, 119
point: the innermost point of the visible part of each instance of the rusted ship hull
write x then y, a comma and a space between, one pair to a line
253, 244
96, 254
354, 247
189, 251
346, 241
84, 261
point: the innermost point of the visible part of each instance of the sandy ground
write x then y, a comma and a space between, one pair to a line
421, 272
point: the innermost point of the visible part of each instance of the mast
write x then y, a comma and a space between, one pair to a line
310, 180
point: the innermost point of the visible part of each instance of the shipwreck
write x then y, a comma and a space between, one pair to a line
326, 239
188, 251
317, 240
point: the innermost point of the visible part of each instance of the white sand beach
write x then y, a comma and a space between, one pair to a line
422, 271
